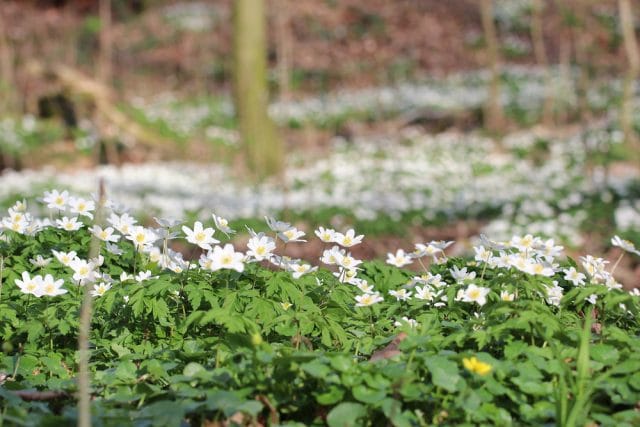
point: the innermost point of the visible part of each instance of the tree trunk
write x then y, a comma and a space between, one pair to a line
540, 52
583, 42
105, 76
494, 116
284, 47
264, 151
631, 49
7, 78
106, 45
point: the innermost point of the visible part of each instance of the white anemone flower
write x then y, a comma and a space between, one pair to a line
399, 259
81, 206
461, 274
291, 235
625, 245
227, 258
277, 226
69, 224
65, 258
330, 256
56, 200
366, 300
99, 289
141, 237
554, 294
260, 247
40, 261
507, 296
300, 269
123, 223
574, 276
400, 294
51, 287
424, 293
477, 294
346, 261
222, 224
348, 239
203, 237
327, 235
29, 285
412, 323
106, 234
83, 271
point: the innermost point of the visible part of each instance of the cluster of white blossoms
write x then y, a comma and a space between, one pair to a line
529, 254
40, 286
405, 176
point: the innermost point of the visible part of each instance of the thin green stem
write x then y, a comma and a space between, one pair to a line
1, 275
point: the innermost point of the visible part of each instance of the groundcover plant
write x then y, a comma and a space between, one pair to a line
429, 180
517, 335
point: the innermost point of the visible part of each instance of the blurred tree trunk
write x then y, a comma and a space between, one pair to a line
106, 45
583, 42
494, 116
540, 52
566, 77
7, 78
105, 77
263, 148
631, 48
284, 48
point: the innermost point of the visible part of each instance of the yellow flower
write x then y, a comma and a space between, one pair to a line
476, 366
285, 305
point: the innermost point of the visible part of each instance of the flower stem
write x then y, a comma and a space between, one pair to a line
1, 272
617, 262
423, 266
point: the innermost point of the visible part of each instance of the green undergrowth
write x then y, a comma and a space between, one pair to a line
262, 348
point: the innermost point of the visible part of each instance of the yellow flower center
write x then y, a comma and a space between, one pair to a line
474, 293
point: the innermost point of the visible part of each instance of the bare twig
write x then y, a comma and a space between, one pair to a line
84, 380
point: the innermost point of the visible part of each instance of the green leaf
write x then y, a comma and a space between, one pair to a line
164, 412
193, 369
605, 353
332, 396
346, 414
126, 371
316, 369
341, 363
368, 395
444, 373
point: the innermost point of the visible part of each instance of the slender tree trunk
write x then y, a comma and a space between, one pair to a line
105, 77
631, 49
540, 52
106, 45
494, 116
565, 76
583, 41
284, 46
263, 148
7, 78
